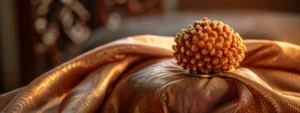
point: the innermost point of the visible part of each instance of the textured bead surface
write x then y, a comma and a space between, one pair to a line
207, 47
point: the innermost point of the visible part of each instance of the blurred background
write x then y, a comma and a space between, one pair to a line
37, 35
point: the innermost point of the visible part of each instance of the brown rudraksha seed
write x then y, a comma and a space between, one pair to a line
208, 46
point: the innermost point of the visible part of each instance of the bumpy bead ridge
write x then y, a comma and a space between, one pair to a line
207, 47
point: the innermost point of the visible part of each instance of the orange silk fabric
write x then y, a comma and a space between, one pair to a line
138, 75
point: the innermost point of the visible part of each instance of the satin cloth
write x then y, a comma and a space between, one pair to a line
138, 75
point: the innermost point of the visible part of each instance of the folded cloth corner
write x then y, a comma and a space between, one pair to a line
138, 74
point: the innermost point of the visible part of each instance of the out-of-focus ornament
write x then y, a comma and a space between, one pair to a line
68, 16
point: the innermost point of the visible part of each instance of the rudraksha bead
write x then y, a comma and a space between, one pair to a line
208, 46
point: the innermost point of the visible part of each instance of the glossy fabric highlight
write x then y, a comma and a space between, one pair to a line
138, 74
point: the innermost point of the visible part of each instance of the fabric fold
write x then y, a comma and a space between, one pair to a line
138, 74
